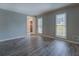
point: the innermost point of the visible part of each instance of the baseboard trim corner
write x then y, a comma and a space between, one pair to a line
12, 38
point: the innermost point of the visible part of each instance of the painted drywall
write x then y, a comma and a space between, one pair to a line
12, 24
72, 22
48, 24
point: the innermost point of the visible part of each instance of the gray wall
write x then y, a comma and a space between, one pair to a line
72, 21
12, 24
49, 24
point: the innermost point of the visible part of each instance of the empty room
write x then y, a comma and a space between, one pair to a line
39, 29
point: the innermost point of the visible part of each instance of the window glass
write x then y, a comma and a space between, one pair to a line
61, 25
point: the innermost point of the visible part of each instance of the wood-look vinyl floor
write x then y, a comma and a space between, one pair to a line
38, 46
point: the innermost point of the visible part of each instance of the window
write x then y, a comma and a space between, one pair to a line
61, 25
31, 26
40, 25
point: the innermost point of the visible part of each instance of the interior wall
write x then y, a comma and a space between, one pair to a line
49, 24
12, 24
72, 22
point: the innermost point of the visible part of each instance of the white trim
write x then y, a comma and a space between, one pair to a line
46, 35
65, 25
11, 38
70, 41
49, 36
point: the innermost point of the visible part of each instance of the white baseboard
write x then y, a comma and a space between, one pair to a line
70, 41
12, 38
45, 35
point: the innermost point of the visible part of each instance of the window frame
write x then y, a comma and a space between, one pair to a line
64, 15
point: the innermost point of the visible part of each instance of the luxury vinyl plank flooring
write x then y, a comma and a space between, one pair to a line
38, 46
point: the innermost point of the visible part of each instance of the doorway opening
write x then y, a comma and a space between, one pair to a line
31, 24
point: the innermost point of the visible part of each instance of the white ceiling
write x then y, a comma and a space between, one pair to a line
32, 8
